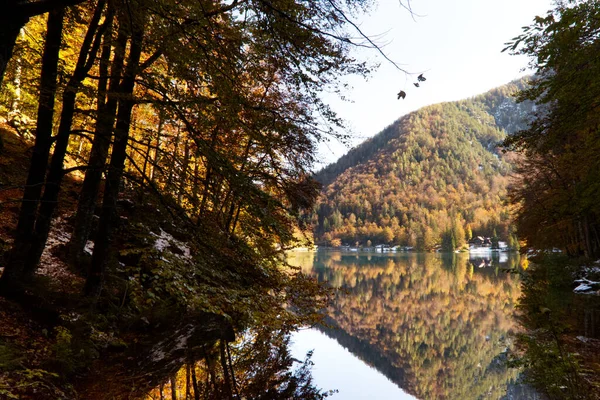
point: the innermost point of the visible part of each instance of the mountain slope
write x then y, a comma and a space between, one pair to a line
432, 175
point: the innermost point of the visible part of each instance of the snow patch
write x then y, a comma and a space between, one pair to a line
161, 349
165, 240
586, 286
89, 247
49, 264
582, 288
582, 339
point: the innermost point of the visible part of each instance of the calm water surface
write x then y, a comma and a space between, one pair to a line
407, 325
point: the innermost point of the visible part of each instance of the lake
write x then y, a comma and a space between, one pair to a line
412, 325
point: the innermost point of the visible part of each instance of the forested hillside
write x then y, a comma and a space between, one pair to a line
434, 174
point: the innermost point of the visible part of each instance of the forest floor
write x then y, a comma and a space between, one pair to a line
28, 341
55, 342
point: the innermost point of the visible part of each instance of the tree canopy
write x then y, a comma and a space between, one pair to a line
560, 170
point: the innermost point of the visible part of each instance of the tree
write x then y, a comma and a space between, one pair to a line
560, 170
15, 271
15, 15
238, 121
388, 235
448, 241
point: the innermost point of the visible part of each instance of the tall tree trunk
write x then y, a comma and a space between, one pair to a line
107, 110
195, 188
194, 379
228, 389
188, 383
174, 387
233, 381
10, 26
85, 61
171, 185
12, 278
147, 157
588, 242
14, 17
161, 122
108, 218
16, 104
183, 176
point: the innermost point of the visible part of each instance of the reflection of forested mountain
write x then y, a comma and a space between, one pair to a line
433, 170
435, 326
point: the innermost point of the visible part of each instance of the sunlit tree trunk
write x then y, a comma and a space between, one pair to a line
155, 159
16, 104
183, 176
10, 26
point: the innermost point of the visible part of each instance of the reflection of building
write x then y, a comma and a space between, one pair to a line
481, 262
503, 257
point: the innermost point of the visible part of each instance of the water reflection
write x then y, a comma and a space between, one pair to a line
562, 337
437, 325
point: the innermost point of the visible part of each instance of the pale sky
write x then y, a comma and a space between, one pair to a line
456, 44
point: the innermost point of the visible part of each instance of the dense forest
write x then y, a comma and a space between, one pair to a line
435, 173
155, 160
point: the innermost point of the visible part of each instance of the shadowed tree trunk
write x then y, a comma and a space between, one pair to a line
174, 387
87, 56
108, 218
15, 14
188, 383
12, 278
223, 358
107, 110
192, 363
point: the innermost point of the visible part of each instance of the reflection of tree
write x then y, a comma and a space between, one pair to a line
559, 348
258, 366
429, 323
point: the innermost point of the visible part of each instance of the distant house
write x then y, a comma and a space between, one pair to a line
384, 248
479, 241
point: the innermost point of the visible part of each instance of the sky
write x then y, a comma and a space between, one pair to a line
456, 44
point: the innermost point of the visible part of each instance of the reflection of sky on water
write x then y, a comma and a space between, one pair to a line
337, 368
